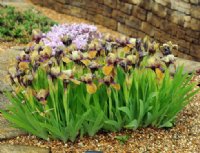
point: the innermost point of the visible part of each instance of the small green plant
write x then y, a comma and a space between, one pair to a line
17, 26
122, 138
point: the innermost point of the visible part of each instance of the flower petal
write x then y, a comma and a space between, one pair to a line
42, 94
115, 86
130, 45
23, 65
47, 51
107, 69
34, 56
86, 62
55, 71
75, 81
91, 88
63, 76
66, 60
92, 54
126, 49
159, 74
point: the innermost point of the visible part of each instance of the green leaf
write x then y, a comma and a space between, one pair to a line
132, 125
126, 111
122, 138
167, 125
112, 125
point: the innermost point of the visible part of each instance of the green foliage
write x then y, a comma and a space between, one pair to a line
122, 138
17, 26
69, 112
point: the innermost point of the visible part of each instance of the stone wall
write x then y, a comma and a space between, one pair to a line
163, 20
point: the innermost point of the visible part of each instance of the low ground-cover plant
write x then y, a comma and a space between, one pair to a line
17, 26
108, 85
79, 34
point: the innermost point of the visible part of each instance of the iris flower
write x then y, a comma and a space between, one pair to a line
41, 95
88, 79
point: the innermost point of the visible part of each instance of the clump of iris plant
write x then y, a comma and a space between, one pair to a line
76, 81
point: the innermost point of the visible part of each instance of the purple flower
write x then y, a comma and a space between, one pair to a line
80, 34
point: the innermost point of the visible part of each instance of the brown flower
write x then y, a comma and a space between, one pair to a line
94, 66
42, 95
109, 81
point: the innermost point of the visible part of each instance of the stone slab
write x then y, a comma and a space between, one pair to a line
4, 86
7, 58
8, 132
7, 148
20, 5
4, 102
189, 66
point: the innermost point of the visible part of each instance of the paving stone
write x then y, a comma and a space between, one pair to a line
7, 148
7, 57
18, 48
4, 102
18, 4
4, 86
8, 132
189, 66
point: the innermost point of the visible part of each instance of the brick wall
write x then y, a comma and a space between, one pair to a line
163, 20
